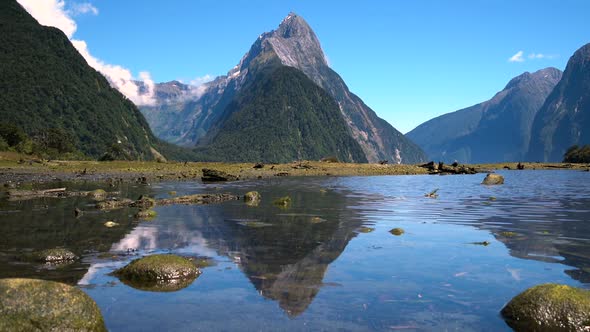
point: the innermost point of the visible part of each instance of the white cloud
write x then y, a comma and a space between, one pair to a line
533, 56
53, 13
518, 57
82, 8
201, 80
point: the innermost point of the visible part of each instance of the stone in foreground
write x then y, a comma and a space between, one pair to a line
39, 305
159, 273
549, 307
493, 179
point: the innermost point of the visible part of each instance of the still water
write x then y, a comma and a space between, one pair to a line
326, 262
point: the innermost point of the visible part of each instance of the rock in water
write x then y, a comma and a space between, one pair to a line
159, 268
57, 255
493, 179
549, 307
212, 175
39, 305
397, 231
252, 198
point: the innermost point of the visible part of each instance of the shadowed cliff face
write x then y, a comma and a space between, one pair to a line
564, 119
494, 131
186, 120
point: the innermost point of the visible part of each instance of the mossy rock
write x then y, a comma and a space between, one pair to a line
39, 305
252, 196
98, 194
56, 255
397, 231
146, 214
283, 201
508, 234
161, 267
549, 307
493, 179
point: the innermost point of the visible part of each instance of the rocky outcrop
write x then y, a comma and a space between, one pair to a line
564, 119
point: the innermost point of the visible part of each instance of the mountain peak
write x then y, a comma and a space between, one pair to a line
546, 74
293, 26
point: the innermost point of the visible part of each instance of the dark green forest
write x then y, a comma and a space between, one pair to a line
577, 154
54, 102
282, 116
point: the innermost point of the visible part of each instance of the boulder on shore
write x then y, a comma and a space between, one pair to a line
493, 179
40, 305
549, 307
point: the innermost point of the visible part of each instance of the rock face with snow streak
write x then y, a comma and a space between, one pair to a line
188, 118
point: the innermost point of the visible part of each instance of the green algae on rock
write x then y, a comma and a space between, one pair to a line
549, 307
39, 305
160, 267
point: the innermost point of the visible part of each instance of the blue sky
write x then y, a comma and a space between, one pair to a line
408, 60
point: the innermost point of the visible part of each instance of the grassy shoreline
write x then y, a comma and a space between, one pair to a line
15, 168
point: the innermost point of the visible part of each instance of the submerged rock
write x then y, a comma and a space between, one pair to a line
97, 194
549, 307
198, 199
397, 231
39, 305
493, 179
146, 214
282, 201
213, 175
56, 255
252, 198
364, 229
111, 224
114, 204
144, 202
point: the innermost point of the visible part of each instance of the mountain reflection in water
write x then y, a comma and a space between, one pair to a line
432, 277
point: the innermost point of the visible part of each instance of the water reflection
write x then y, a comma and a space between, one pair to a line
285, 261
429, 278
